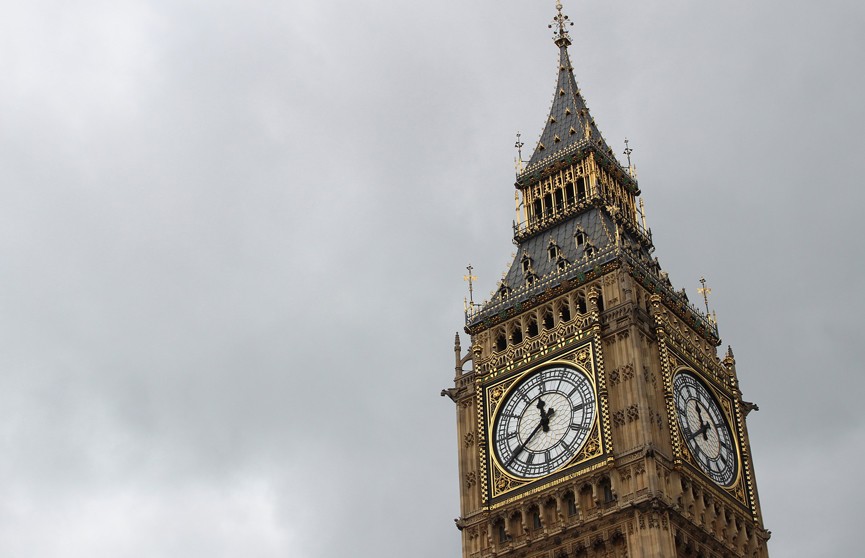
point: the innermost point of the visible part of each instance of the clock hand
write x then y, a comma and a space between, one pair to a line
522, 446
544, 424
545, 420
702, 430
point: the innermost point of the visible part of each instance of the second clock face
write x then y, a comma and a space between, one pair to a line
705, 429
544, 421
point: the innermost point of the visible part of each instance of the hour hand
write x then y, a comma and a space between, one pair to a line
702, 430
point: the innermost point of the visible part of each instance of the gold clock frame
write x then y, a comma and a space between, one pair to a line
682, 454
501, 485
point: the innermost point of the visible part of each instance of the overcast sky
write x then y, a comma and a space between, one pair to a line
233, 234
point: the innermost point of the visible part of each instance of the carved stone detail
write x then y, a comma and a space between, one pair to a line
471, 479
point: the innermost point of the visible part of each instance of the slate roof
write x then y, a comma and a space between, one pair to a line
599, 230
597, 227
569, 118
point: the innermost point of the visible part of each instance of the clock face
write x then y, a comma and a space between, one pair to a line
704, 429
544, 421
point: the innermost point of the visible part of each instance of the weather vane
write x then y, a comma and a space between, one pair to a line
706, 291
470, 278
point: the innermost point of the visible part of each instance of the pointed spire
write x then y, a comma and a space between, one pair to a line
569, 125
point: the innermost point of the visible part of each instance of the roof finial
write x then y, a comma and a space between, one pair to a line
561, 21
519, 161
632, 170
470, 278
706, 291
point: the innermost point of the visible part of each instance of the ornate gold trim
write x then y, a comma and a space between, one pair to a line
496, 481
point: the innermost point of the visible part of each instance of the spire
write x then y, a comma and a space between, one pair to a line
569, 125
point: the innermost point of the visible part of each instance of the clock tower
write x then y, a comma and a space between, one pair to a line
595, 417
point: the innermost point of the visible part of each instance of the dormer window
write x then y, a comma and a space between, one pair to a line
553, 250
526, 264
580, 237
503, 291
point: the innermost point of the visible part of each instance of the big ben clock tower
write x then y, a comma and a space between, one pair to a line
595, 417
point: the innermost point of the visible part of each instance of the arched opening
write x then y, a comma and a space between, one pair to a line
560, 201
607, 491
571, 504
569, 193
565, 313
501, 532
549, 323
581, 304
516, 334
535, 518
581, 189
501, 341
586, 500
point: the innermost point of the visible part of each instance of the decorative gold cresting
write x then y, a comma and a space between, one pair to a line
561, 21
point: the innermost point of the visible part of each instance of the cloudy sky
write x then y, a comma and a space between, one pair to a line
233, 234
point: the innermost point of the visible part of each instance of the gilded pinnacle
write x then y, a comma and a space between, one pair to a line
560, 22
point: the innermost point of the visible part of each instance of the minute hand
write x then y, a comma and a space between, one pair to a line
522, 446
545, 421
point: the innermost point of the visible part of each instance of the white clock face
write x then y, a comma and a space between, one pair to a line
544, 421
704, 429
